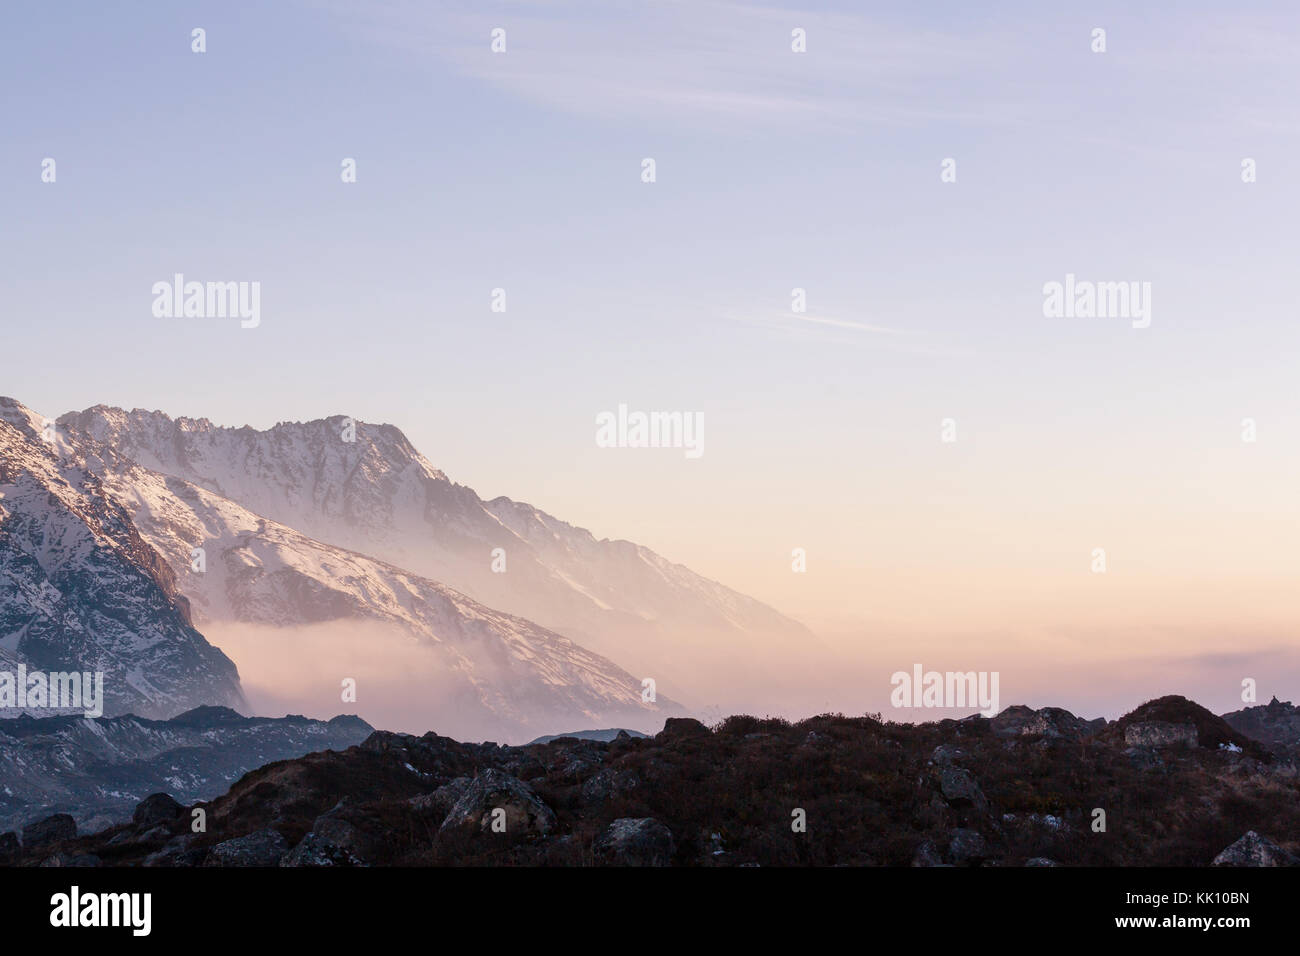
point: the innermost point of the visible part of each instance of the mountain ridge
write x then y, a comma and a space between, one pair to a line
496, 674
379, 496
84, 592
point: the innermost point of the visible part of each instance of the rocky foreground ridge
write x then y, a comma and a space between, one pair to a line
1175, 785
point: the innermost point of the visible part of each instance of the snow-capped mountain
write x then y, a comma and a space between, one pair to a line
421, 653
365, 488
82, 591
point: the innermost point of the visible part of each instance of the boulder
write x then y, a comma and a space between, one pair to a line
331, 842
51, 830
260, 848
492, 790
155, 809
631, 841
440, 801
1255, 850
1160, 733
1050, 722
607, 784
98, 823
177, 852
960, 788
967, 846
677, 728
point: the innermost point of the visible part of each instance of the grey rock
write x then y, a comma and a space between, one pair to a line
332, 842
98, 823
634, 841
260, 848
155, 809
122, 836
440, 801
1049, 722
607, 784
959, 787
491, 790
967, 846
1160, 733
177, 852
1255, 850
1040, 861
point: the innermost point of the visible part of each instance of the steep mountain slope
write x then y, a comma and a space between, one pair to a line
81, 590
378, 495
421, 653
99, 770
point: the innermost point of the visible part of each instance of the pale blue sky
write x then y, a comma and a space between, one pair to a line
775, 170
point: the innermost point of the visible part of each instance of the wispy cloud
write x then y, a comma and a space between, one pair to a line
830, 330
702, 59
698, 63
846, 324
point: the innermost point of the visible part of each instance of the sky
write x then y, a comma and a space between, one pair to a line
774, 170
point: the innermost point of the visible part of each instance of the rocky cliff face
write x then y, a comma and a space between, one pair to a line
82, 591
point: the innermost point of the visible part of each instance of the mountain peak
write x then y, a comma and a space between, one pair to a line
21, 417
288, 514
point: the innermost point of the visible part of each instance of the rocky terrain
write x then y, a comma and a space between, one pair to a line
1275, 724
1168, 784
96, 771
82, 591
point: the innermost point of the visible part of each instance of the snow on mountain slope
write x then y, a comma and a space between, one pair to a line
485, 673
378, 495
81, 590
